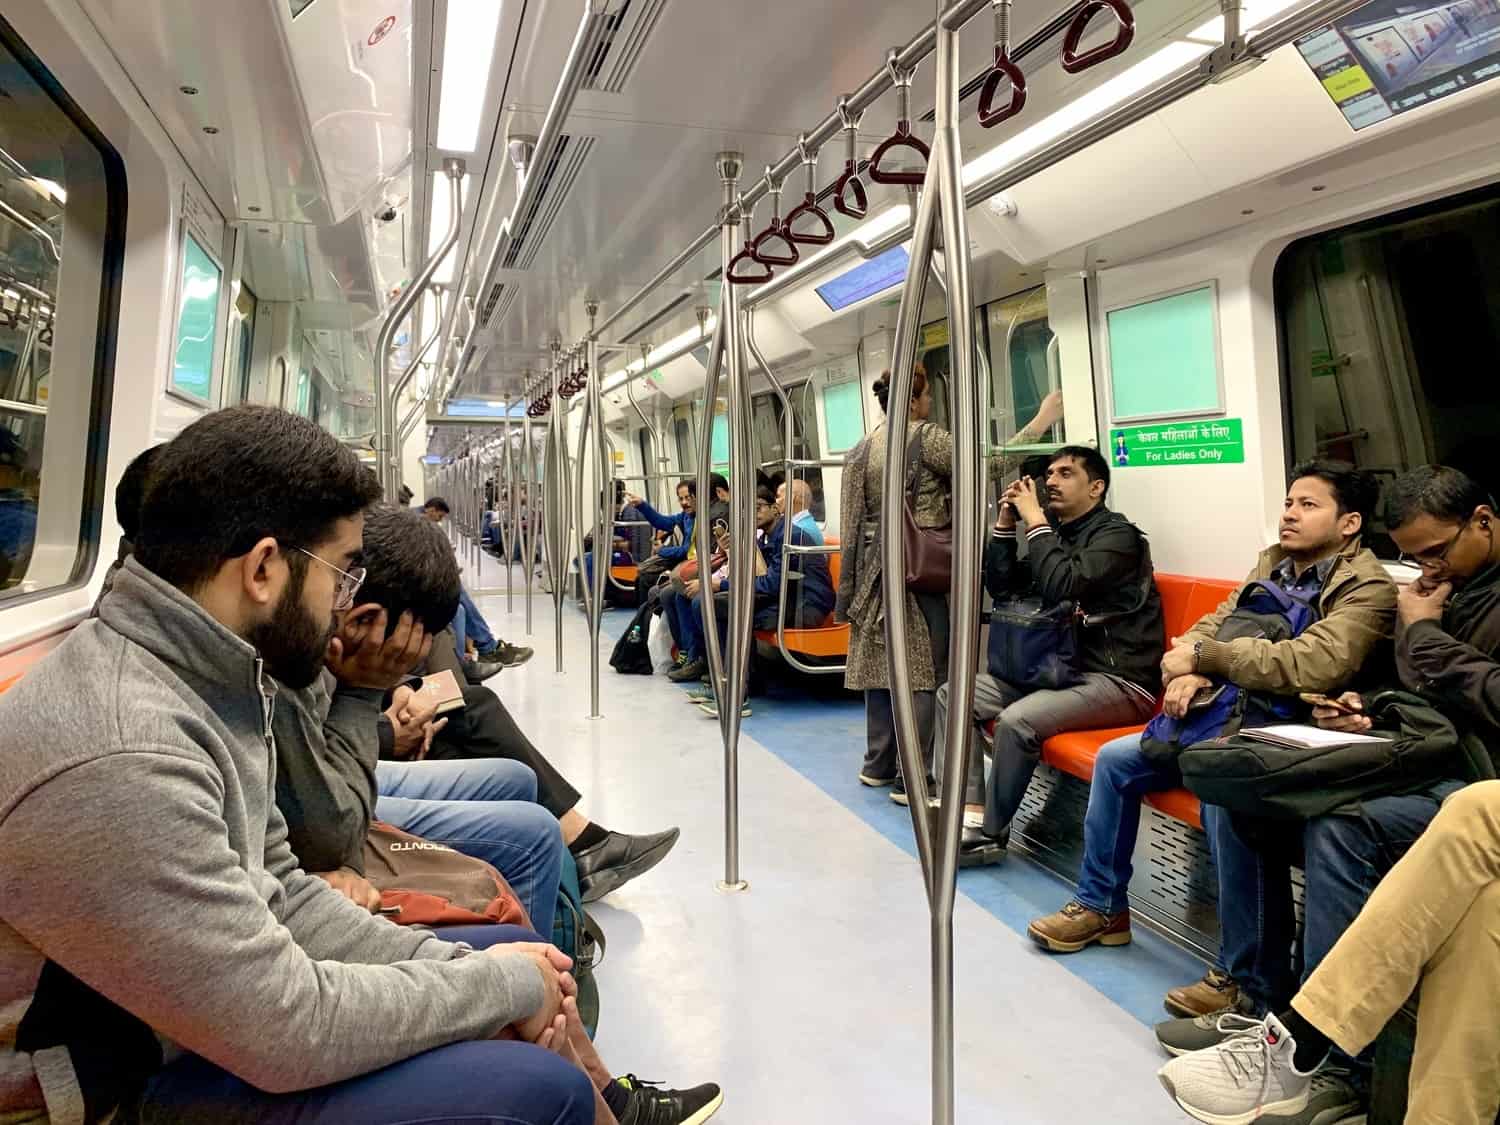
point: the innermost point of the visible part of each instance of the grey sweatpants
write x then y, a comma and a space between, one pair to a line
1026, 720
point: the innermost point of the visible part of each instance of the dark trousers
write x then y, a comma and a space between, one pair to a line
882, 759
474, 1083
1343, 858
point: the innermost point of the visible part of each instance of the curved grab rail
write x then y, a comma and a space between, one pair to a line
902, 137
758, 246
809, 205
849, 184
1071, 60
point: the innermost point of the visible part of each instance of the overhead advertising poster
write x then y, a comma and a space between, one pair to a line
1388, 57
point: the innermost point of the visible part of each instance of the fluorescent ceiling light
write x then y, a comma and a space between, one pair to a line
468, 55
615, 378
1084, 108
437, 223
1256, 15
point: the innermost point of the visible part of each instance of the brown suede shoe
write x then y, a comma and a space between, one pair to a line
1076, 927
1216, 992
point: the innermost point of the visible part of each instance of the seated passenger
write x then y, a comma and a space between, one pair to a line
668, 553
1318, 554
1078, 551
801, 516
482, 654
328, 782
1429, 927
1447, 644
137, 795
809, 590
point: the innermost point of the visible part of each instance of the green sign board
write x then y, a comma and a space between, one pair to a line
1212, 441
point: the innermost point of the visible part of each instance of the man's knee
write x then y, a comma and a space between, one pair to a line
1473, 809
1117, 762
515, 780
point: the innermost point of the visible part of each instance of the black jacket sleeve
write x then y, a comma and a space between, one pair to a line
1004, 573
1451, 673
1111, 556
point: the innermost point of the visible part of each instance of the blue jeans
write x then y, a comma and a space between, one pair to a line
673, 606
1343, 858
1122, 776
469, 622
486, 808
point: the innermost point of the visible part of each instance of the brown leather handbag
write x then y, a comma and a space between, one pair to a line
426, 884
929, 550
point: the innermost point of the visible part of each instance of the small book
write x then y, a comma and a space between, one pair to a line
442, 689
1299, 736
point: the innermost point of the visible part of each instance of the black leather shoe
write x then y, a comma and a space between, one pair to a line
688, 672
619, 858
477, 671
975, 849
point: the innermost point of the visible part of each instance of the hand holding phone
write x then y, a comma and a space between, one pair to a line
1317, 699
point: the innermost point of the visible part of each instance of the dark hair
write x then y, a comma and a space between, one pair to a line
409, 565
437, 503
1442, 492
619, 492
1093, 462
690, 484
241, 475
717, 481
765, 495
1354, 490
882, 386
131, 491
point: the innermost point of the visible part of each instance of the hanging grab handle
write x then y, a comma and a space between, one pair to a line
742, 267
809, 208
760, 248
1072, 61
902, 137
849, 193
1005, 71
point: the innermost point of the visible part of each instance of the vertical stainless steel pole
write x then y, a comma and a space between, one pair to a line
556, 517
505, 511
942, 200
525, 525
604, 501
730, 683
577, 494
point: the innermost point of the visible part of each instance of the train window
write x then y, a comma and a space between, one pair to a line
1386, 329
242, 342
198, 284
843, 411
682, 438
770, 438
62, 211
1023, 363
766, 414
932, 354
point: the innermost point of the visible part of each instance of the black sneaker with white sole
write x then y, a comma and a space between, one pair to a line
618, 858
652, 1105
509, 655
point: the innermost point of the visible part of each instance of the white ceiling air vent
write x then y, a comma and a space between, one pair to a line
555, 183
497, 303
621, 44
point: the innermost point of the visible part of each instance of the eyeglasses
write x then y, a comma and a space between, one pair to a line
349, 581
1426, 560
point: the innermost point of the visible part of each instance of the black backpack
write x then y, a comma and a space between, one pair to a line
631, 657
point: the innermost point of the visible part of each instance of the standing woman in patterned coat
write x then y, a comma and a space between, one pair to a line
859, 594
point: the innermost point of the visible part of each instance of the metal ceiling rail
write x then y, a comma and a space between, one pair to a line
575, 69
865, 96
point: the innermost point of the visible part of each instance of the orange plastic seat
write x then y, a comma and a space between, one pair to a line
624, 573
7, 683
826, 640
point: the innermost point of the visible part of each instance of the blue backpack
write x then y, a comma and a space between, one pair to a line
1266, 611
578, 934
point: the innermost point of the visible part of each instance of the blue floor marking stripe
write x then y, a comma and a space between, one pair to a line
822, 739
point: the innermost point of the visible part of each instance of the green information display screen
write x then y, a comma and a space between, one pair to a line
719, 454
1216, 441
197, 323
1164, 357
842, 413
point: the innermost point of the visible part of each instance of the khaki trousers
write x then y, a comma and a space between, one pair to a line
1433, 922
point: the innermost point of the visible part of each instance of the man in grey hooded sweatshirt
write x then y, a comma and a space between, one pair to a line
160, 950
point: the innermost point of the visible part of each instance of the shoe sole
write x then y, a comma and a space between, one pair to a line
901, 799
705, 1113
876, 782
1282, 1108
1183, 1012
981, 857
1053, 945
613, 878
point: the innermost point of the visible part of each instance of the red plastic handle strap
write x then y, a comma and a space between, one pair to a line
759, 247
809, 207
849, 196
746, 258
1005, 71
1074, 63
901, 138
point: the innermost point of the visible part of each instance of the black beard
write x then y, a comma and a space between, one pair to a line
291, 642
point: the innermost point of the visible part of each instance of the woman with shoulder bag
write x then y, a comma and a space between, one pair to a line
928, 498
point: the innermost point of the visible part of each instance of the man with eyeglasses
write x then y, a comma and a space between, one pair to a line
1448, 651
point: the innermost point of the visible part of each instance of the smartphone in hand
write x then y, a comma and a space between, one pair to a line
1319, 700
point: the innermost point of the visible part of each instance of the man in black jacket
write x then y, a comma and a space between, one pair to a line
1078, 551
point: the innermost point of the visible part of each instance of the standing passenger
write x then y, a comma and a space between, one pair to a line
859, 593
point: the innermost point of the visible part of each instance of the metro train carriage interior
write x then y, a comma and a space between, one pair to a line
1122, 739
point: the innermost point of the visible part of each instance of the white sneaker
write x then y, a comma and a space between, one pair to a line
1240, 1080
